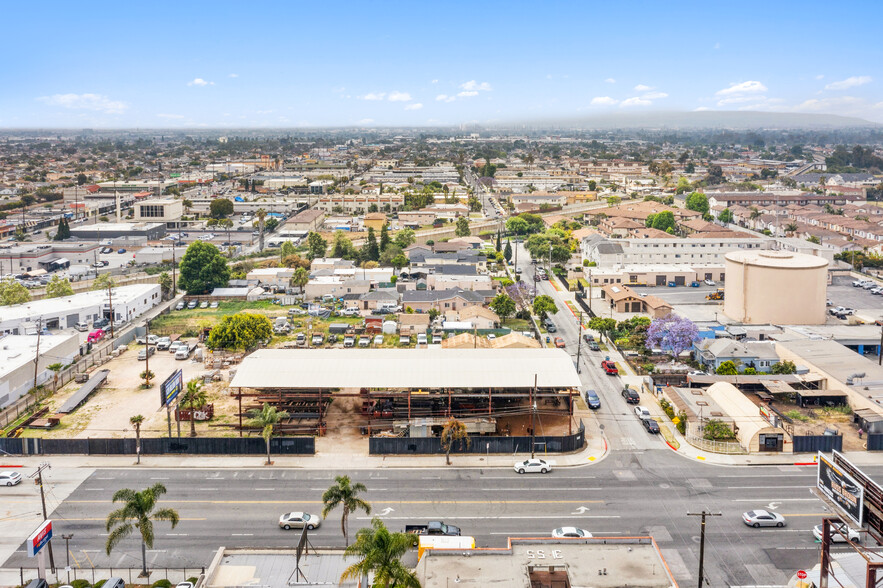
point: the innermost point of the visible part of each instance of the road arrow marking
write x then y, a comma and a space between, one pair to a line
385, 512
580, 510
774, 505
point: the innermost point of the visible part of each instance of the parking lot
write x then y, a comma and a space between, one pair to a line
842, 293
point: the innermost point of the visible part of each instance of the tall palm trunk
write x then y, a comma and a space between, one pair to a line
192, 419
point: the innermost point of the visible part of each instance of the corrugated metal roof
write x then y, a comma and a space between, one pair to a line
406, 368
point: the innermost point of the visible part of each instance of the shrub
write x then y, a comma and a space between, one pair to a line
796, 415
80, 583
682, 423
648, 367
750, 371
161, 584
716, 430
667, 408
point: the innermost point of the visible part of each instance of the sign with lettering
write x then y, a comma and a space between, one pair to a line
841, 489
39, 538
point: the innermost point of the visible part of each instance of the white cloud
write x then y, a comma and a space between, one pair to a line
636, 101
654, 95
820, 77
94, 102
234, 75
434, 82
878, 105
374, 96
610, 81
603, 101
399, 97
174, 116
750, 87
823, 104
200, 82
642, 88
739, 100
445, 98
366, 121
701, 109
850, 82
472, 85
467, 93
415, 106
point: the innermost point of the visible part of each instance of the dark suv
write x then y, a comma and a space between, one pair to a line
592, 400
630, 396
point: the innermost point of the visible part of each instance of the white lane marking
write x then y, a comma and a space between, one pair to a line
559, 517
768, 501
242, 534
763, 487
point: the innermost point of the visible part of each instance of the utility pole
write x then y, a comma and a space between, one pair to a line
702, 514
146, 354
880, 349
37, 354
579, 340
533, 410
39, 477
110, 303
67, 550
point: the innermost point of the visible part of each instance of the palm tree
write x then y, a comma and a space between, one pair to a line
136, 422
344, 494
194, 396
266, 418
380, 553
261, 214
137, 513
300, 278
791, 228
452, 432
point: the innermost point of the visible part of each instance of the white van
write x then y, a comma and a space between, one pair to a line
421, 338
82, 327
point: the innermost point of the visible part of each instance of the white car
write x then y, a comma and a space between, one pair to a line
533, 466
642, 413
836, 537
763, 518
709, 282
562, 532
299, 520
9, 478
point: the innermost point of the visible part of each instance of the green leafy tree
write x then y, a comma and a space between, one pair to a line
379, 552
405, 238
344, 494
663, 221
286, 249
783, 367
462, 229
384, 237
82, 179
517, 225
202, 269
399, 261
63, 232
698, 201
165, 284
194, 397
220, 208
371, 251
266, 420
103, 282
343, 247
243, 330
453, 431
604, 326
507, 252
543, 306
146, 376
136, 421
503, 305
593, 185
316, 245
725, 216
58, 287
300, 278
12, 292
727, 368
497, 246
137, 512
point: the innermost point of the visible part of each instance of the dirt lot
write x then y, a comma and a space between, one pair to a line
106, 413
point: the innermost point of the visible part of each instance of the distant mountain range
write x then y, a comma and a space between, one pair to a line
701, 120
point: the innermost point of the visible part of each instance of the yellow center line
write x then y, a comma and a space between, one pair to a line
65, 519
372, 502
808, 514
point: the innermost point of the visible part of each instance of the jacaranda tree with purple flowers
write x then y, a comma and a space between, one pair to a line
671, 333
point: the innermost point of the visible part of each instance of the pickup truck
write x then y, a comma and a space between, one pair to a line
150, 339
433, 528
609, 367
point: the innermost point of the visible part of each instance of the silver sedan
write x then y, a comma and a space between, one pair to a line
763, 518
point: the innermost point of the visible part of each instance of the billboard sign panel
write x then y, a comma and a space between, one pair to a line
171, 388
841, 489
39, 538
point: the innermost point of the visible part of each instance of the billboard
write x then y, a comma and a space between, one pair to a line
39, 538
841, 489
171, 388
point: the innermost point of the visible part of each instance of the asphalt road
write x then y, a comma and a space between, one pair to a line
636, 492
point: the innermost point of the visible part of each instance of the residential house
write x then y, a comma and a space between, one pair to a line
413, 324
336, 286
374, 220
478, 316
308, 220
760, 355
441, 300
625, 300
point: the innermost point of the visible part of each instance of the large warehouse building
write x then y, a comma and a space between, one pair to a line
775, 287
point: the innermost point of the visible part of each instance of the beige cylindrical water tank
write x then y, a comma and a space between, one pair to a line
778, 287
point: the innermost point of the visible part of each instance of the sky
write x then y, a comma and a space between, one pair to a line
308, 64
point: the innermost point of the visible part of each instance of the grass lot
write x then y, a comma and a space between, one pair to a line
190, 322
517, 324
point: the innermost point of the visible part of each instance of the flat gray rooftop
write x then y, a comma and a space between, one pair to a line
272, 568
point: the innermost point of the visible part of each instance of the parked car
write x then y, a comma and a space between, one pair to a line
421, 338
709, 282
299, 520
100, 323
533, 466
82, 327
378, 340
593, 346
180, 305
191, 305
631, 397
204, 304
214, 304
9, 478
593, 400
121, 250
163, 343
145, 353
566, 532
836, 537
609, 367
149, 340
651, 426
173, 348
559, 343
95, 336
588, 337
763, 518
641, 412
301, 339
364, 341
317, 339
349, 340
550, 326
106, 250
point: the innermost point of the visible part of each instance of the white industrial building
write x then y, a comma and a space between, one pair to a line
129, 302
17, 354
618, 252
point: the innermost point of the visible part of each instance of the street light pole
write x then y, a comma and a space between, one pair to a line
579, 340
67, 549
533, 410
702, 514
